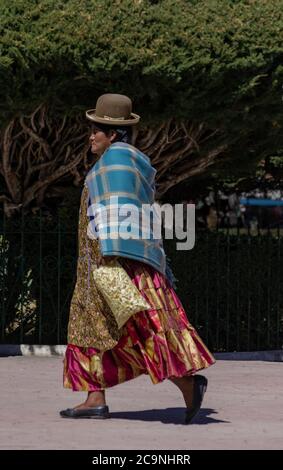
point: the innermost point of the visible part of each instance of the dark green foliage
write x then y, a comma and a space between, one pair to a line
206, 54
213, 61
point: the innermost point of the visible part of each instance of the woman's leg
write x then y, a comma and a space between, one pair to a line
193, 389
186, 385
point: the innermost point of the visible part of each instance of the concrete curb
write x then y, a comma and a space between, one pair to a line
59, 350
273, 356
31, 350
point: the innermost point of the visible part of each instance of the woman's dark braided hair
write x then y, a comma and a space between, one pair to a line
124, 133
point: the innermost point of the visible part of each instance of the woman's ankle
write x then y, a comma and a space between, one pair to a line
96, 399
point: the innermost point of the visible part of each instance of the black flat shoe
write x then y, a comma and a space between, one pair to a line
200, 386
97, 412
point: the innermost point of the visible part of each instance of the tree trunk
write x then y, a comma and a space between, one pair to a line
41, 154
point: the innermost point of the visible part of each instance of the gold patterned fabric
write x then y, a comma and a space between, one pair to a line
91, 322
117, 288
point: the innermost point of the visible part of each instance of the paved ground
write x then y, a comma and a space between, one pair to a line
242, 410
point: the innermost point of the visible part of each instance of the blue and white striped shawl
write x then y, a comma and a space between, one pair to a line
125, 172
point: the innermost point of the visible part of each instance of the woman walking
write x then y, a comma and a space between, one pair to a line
160, 341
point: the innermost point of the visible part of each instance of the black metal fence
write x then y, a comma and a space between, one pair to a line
230, 283
37, 275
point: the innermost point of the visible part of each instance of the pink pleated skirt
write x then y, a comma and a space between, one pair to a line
159, 342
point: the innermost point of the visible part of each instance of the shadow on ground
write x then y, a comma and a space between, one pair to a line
169, 416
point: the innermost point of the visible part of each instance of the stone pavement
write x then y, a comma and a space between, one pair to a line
242, 409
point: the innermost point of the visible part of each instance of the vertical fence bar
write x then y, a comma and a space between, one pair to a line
207, 291
40, 280
249, 291
268, 286
228, 291
249, 323
3, 269
22, 274
217, 291
59, 282
238, 264
258, 299
278, 290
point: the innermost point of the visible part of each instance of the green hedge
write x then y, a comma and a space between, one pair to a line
213, 61
189, 58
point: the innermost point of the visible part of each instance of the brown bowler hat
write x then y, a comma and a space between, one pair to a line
113, 109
